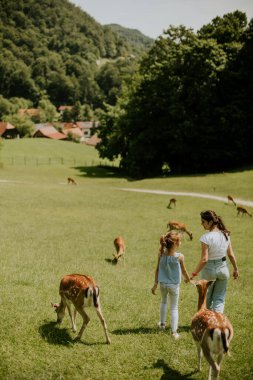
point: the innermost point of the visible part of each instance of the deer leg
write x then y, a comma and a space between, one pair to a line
214, 367
200, 354
86, 320
103, 323
71, 317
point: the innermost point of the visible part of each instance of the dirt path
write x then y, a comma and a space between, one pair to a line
186, 194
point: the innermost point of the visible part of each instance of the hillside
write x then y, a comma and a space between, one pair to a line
137, 40
51, 48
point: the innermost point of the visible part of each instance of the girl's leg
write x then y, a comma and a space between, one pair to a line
164, 304
174, 296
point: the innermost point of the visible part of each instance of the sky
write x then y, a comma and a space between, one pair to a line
152, 17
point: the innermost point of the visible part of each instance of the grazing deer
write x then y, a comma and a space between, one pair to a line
120, 247
71, 180
172, 202
243, 210
82, 292
231, 199
211, 331
174, 225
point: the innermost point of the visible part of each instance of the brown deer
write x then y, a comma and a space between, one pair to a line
174, 225
243, 210
231, 199
211, 331
71, 180
173, 202
82, 292
120, 247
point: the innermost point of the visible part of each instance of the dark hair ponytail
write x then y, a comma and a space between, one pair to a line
211, 216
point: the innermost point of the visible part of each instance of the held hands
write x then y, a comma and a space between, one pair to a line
154, 288
194, 274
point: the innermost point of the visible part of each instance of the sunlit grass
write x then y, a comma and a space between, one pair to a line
49, 229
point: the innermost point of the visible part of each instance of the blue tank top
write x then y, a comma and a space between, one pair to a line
169, 271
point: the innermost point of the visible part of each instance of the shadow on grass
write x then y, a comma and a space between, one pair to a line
170, 373
101, 171
146, 330
111, 261
53, 334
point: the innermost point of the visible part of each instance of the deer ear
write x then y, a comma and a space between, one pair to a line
55, 305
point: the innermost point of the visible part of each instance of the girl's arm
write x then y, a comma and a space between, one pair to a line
203, 259
232, 259
156, 274
183, 269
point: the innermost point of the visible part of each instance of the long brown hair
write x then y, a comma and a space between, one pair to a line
169, 239
211, 216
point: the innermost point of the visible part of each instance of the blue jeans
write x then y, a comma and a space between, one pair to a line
216, 270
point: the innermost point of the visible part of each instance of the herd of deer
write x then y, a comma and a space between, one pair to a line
211, 331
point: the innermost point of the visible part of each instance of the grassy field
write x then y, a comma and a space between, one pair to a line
50, 228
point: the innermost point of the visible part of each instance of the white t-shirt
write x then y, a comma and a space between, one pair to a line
217, 244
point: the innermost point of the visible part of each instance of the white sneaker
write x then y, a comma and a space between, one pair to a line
175, 335
161, 326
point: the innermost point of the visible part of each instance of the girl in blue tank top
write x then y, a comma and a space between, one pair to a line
170, 265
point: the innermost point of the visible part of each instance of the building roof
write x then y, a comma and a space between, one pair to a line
63, 108
5, 125
49, 132
85, 124
74, 131
93, 140
29, 111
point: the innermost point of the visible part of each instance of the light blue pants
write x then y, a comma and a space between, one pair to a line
216, 270
173, 293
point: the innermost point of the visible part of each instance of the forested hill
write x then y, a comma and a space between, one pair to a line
52, 47
137, 40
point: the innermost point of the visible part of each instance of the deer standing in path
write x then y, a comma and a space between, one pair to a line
120, 247
231, 199
211, 331
82, 292
173, 202
243, 210
175, 225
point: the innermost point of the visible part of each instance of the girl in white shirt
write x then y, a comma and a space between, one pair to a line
215, 247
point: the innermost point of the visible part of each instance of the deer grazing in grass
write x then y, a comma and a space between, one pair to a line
174, 225
243, 210
82, 292
231, 199
120, 247
173, 202
71, 180
211, 331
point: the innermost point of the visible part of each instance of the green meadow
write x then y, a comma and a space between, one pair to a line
50, 228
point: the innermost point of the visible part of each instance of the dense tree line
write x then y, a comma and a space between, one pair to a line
53, 49
189, 107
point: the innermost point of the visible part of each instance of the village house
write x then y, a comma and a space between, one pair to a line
48, 131
8, 131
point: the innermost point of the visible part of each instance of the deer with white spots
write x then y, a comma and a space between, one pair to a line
120, 247
211, 331
243, 211
174, 225
82, 292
